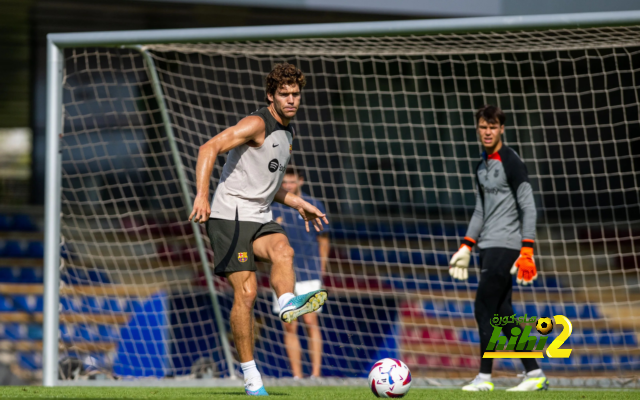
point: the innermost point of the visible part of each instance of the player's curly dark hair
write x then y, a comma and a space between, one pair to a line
491, 114
283, 74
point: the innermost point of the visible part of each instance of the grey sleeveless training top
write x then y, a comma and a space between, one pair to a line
252, 176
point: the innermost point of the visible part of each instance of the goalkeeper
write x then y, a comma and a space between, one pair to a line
504, 226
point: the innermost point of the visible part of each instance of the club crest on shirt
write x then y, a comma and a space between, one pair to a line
242, 257
290, 148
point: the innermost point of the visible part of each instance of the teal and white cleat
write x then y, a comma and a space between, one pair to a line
303, 304
531, 384
259, 392
479, 385
255, 387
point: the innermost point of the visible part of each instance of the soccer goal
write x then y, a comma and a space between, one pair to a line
386, 140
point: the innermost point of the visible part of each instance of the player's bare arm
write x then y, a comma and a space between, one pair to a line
323, 241
308, 211
249, 129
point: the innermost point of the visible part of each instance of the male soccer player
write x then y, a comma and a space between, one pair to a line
504, 226
241, 225
312, 251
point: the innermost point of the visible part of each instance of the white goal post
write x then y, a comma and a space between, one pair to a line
387, 142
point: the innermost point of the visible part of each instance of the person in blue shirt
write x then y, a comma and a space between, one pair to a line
311, 251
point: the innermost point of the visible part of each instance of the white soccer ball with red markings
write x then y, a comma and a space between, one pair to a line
390, 378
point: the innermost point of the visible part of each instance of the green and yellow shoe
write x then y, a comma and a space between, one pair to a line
479, 385
303, 304
531, 384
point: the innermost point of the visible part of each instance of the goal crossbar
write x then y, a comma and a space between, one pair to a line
391, 28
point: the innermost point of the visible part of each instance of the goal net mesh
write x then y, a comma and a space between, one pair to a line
386, 140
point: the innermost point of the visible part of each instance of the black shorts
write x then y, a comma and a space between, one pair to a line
232, 243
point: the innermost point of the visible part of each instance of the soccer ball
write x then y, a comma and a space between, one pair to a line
389, 378
544, 326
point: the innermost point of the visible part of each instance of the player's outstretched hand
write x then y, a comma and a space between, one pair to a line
311, 213
459, 264
201, 210
525, 267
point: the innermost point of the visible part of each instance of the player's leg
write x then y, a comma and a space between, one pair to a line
493, 287
245, 289
294, 350
315, 342
534, 378
271, 244
233, 258
275, 249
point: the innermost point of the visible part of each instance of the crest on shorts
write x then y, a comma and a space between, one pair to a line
242, 257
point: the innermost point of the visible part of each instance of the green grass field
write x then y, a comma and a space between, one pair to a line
302, 393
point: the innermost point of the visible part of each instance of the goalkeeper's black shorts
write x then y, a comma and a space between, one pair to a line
232, 243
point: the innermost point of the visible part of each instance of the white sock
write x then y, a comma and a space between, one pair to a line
284, 299
250, 371
536, 373
485, 377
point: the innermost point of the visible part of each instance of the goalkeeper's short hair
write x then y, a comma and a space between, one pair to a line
491, 114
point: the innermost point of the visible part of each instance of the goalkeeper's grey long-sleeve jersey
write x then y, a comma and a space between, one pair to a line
505, 212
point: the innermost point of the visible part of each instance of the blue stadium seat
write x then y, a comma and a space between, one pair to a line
30, 275
429, 308
6, 304
23, 223
34, 332
35, 250
98, 276
453, 307
589, 311
134, 306
404, 257
629, 338
74, 276
385, 231
589, 337
11, 249
112, 305
416, 258
569, 310
108, 332
423, 230
6, 275
430, 259
29, 361
5, 223
379, 255
28, 303
69, 304
443, 259
90, 305
16, 331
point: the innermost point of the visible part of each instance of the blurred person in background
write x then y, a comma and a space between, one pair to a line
311, 254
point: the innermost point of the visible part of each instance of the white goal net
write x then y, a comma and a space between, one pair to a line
386, 140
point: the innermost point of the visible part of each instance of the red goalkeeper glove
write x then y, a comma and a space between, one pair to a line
524, 266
